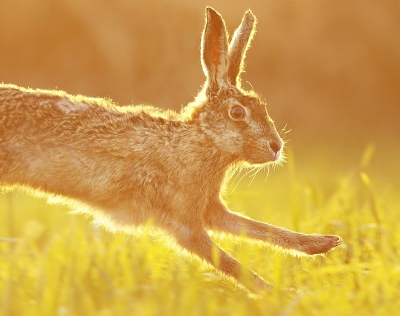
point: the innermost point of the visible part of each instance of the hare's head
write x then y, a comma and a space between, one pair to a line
236, 120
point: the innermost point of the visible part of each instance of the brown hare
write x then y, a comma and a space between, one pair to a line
132, 164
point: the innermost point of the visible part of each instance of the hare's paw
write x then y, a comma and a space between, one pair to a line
319, 244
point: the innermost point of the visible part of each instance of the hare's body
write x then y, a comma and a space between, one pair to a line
129, 163
132, 164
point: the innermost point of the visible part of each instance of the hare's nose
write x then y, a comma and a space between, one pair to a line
275, 146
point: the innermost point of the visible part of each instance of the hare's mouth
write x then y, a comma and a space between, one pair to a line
264, 157
277, 155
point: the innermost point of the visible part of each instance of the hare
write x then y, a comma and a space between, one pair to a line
132, 164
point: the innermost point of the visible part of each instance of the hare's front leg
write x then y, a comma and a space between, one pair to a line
197, 241
218, 217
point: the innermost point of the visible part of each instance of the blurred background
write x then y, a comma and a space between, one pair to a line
329, 70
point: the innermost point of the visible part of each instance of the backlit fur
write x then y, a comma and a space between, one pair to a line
128, 165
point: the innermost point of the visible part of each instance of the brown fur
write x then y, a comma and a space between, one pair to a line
131, 164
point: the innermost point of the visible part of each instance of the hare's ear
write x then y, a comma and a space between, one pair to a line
214, 49
239, 44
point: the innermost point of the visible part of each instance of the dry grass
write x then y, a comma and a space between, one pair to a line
53, 263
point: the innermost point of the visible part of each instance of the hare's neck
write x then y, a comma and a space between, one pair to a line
207, 161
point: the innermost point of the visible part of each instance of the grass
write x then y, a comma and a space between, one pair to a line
55, 263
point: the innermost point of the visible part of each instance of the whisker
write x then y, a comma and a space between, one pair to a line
284, 131
215, 172
267, 175
237, 172
241, 178
257, 170
234, 171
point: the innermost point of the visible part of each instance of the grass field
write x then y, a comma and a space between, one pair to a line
55, 263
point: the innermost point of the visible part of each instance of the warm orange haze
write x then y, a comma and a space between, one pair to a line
324, 156
318, 64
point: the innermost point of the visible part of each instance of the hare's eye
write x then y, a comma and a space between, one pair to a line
236, 112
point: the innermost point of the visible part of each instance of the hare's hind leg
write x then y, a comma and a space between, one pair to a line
217, 217
197, 241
